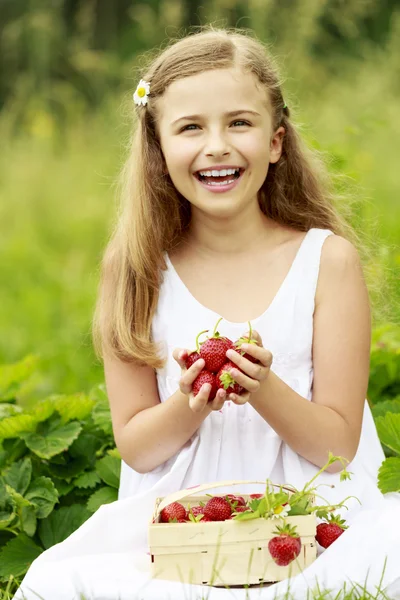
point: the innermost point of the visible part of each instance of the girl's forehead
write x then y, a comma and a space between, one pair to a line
212, 92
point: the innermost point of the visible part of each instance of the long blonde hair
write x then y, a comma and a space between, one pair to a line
297, 192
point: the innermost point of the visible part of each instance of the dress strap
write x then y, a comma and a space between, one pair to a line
308, 262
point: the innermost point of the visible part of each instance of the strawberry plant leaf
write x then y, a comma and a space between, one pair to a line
104, 495
43, 495
7, 506
86, 445
13, 374
63, 487
17, 556
386, 406
109, 468
12, 427
28, 520
74, 407
52, 442
389, 431
18, 475
69, 467
9, 410
14, 449
87, 480
389, 475
61, 523
101, 411
247, 516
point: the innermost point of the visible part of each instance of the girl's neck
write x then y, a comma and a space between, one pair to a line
220, 238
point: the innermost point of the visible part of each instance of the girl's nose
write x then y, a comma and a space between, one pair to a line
216, 145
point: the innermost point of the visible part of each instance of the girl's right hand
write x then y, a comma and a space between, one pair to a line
200, 401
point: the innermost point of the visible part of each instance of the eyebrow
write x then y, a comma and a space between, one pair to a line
233, 113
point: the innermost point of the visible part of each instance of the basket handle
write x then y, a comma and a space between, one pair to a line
182, 494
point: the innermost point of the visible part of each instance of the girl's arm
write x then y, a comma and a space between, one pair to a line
148, 432
341, 350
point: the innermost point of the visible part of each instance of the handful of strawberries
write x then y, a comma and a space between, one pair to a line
217, 369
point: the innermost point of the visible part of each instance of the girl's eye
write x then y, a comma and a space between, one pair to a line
186, 128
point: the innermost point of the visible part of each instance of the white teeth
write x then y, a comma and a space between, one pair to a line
221, 173
220, 182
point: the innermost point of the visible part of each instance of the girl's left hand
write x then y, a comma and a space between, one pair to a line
252, 373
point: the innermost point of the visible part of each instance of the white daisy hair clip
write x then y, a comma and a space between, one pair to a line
142, 92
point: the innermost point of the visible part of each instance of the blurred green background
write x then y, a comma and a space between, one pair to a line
67, 73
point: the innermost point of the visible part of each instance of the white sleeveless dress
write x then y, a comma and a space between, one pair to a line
107, 557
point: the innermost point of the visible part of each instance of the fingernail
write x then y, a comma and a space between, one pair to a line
230, 353
244, 346
207, 387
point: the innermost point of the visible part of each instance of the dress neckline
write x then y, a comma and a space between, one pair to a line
269, 308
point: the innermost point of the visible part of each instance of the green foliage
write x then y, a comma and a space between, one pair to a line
58, 464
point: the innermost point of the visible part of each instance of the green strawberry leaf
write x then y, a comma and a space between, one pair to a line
87, 480
13, 427
9, 410
109, 468
101, 411
68, 467
17, 556
389, 475
56, 440
75, 407
61, 523
247, 516
18, 475
7, 506
12, 375
104, 495
63, 487
43, 495
28, 520
386, 406
389, 430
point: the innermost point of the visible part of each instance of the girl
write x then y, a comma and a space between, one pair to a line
225, 215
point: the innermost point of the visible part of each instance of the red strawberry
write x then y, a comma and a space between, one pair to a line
246, 355
246, 340
235, 501
226, 381
217, 509
202, 378
173, 511
197, 510
286, 546
239, 509
214, 349
256, 496
328, 532
191, 359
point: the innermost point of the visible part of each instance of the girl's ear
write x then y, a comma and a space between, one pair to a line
275, 148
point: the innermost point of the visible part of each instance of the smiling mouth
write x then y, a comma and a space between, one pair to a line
219, 179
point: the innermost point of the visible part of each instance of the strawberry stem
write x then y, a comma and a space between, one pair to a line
216, 327
197, 339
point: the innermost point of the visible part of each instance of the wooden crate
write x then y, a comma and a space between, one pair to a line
226, 552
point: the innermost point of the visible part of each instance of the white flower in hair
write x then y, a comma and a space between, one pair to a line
140, 96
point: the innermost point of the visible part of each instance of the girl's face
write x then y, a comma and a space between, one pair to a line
211, 124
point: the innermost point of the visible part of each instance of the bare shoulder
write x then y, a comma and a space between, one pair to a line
339, 253
340, 265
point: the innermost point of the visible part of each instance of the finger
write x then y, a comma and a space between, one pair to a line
248, 383
255, 370
239, 399
219, 400
197, 403
180, 355
188, 377
254, 336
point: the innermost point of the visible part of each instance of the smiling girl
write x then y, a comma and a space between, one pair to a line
226, 215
